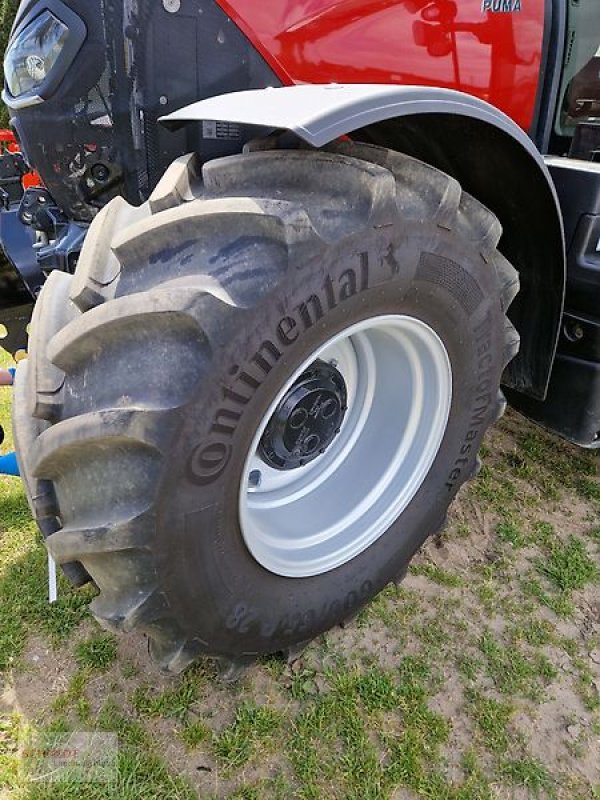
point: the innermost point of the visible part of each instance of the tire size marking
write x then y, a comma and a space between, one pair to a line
210, 458
243, 618
484, 398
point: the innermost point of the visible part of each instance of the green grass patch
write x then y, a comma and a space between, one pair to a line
303, 683
476, 786
586, 684
376, 688
557, 466
140, 773
74, 697
468, 665
254, 727
568, 566
415, 752
273, 788
337, 743
536, 632
512, 671
11, 735
530, 774
438, 575
494, 490
492, 718
543, 535
24, 606
98, 652
510, 532
194, 733
559, 603
433, 632
594, 535
395, 606
173, 703
589, 488
561, 569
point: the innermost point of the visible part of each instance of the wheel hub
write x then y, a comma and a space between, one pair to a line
307, 420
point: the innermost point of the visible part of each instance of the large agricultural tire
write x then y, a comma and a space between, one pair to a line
252, 314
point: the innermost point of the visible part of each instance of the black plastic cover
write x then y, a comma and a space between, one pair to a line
572, 406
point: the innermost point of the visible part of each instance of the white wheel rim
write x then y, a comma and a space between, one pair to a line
310, 520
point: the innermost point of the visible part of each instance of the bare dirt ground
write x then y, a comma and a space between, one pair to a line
478, 677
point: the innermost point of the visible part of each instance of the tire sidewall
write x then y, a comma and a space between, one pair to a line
215, 588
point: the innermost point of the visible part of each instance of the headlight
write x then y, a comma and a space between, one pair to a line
42, 49
33, 53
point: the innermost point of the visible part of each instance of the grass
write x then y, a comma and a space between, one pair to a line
512, 671
568, 566
98, 652
437, 691
560, 604
587, 683
493, 718
509, 531
536, 632
341, 717
438, 575
531, 775
23, 579
194, 733
172, 703
253, 727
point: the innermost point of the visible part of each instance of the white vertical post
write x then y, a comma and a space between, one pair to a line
52, 589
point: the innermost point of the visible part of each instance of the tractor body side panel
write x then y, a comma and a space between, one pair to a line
495, 54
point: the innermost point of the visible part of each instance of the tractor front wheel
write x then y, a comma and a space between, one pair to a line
269, 384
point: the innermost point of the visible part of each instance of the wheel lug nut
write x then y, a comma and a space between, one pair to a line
255, 479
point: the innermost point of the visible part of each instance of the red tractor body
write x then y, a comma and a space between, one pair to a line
496, 55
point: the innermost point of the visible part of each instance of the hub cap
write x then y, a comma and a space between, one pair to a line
345, 446
307, 420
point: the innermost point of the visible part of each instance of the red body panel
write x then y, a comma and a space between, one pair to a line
494, 55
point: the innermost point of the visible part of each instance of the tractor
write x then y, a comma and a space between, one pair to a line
283, 264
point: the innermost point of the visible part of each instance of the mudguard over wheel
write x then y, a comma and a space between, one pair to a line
266, 387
